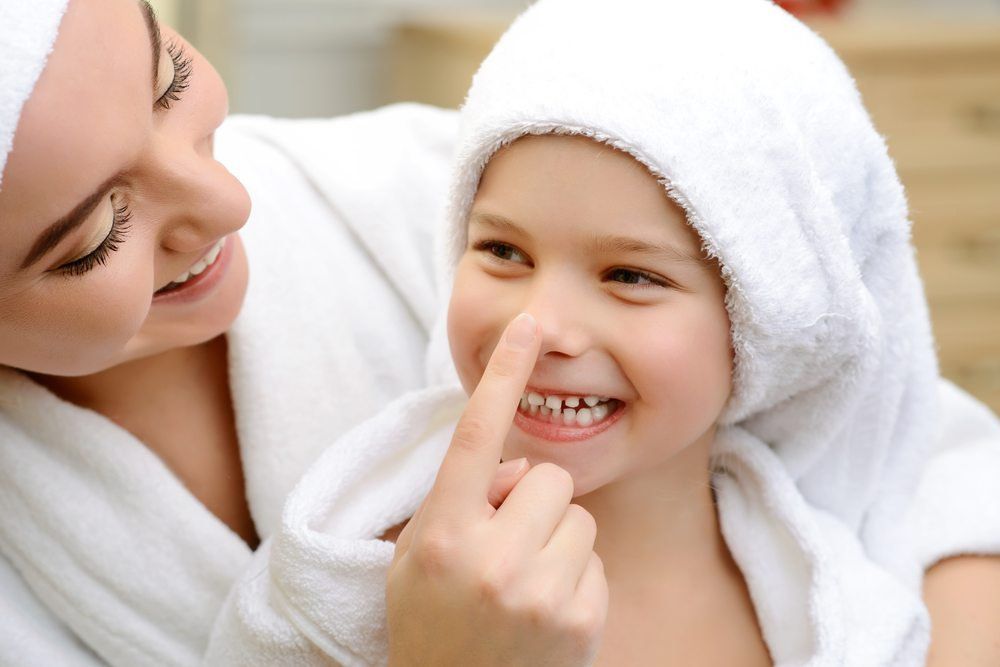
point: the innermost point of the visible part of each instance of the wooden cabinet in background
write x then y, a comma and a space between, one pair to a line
933, 90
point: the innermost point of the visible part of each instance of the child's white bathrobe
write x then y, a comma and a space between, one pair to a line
108, 559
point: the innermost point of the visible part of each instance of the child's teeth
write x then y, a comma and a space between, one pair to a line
566, 410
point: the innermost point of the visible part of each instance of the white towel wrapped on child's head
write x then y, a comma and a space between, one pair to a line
758, 132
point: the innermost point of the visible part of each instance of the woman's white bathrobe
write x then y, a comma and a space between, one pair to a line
107, 559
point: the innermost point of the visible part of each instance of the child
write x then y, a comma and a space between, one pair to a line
736, 365
713, 238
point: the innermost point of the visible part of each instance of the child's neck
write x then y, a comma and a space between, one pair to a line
659, 519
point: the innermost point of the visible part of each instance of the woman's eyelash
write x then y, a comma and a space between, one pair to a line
99, 256
182, 76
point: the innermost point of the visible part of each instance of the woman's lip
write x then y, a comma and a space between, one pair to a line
201, 284
546, 430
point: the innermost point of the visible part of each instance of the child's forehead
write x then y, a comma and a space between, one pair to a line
582, 187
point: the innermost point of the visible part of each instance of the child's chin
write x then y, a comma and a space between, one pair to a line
586, 478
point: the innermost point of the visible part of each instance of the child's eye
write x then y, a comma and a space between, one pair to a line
634, 278
502, 251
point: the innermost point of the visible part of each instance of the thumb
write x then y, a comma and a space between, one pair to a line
508, 474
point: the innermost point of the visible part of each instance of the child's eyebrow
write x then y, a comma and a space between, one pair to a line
498, 222
611, 244
605, 243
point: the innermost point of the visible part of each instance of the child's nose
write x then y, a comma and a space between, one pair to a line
563, 317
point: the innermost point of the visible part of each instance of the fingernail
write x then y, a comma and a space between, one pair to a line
511, 468
521, 333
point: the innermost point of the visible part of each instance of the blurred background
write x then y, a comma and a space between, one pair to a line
929, 71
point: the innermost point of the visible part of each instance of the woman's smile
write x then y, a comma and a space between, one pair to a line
201, 278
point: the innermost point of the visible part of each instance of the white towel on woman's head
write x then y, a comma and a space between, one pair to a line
759, 134
28, 30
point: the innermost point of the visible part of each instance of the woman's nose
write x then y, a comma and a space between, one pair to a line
201, 201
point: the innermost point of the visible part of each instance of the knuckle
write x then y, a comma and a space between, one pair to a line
432, 553
582, 518
555, 477
503, 365
586, 625
542, 609
471, 433
495, 583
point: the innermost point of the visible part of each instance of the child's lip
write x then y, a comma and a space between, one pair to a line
564, 392
546, 430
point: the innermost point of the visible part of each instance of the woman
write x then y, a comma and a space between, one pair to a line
145, 454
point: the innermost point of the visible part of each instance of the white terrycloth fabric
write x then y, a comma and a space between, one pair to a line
97, 538
758, 132
106, 559
28, 30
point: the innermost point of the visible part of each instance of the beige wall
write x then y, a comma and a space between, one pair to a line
167, 10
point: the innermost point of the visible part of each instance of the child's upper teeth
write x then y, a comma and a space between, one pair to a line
551, 407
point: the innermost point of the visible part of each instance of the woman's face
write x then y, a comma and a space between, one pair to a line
111, 197
636, 362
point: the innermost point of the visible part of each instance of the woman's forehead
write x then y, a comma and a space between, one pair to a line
87, 119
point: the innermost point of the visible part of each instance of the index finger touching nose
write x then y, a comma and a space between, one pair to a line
464, 479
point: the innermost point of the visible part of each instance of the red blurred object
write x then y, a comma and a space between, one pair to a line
807, 7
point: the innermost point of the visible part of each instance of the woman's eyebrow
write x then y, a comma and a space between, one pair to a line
57, 231
155, 41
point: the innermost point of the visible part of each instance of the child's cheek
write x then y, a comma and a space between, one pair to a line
472, 323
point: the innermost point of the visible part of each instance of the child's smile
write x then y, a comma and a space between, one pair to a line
565, 416
635, 361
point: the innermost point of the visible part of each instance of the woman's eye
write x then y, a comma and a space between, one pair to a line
182, 74
635, 278
100, 255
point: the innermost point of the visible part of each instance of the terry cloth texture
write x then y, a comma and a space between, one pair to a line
28, 30
758, 132
105, 556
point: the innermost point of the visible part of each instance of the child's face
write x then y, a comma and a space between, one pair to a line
585, 239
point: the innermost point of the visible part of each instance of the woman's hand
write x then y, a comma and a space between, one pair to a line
517, 585
963, 596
